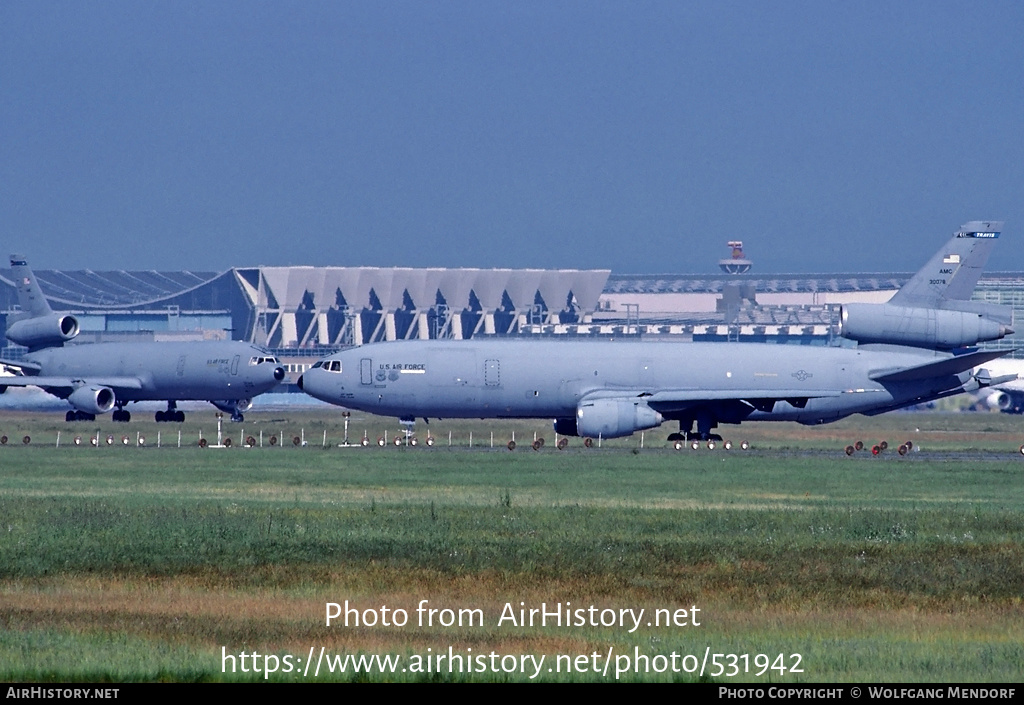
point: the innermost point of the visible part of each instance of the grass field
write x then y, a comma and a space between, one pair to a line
125, 563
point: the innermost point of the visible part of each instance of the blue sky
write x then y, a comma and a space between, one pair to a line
635, 136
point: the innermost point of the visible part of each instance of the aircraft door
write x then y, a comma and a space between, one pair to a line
366, 371
492, 373
181, 365
234, 365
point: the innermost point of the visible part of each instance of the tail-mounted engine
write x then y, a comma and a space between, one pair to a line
44, 331
936, 329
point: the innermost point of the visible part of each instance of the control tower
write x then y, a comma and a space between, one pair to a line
737, 264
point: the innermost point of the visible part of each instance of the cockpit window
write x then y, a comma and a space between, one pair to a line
319, 363
258, 359
332, 365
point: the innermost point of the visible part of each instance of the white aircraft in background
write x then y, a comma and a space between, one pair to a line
1007, 397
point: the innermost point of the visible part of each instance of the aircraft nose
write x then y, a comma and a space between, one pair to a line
300, 382
279, 374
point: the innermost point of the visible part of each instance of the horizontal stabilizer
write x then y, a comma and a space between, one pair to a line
938, 368
985, 379
21, 365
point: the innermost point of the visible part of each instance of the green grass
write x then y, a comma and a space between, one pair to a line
125, 563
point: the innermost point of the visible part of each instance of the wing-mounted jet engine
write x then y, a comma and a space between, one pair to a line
933, 310
609, 418
235, 408
92, 399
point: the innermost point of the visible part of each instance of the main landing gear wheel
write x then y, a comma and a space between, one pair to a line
121, 416
170, 416
79, 416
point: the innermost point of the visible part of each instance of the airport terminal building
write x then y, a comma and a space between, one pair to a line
308, 312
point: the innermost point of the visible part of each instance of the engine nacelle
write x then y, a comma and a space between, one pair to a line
918, 327
998, 400
614, 418
566, 427
92, 399
240, 406
43, 332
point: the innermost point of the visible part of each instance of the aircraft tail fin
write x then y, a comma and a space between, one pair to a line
953, 272
30, 296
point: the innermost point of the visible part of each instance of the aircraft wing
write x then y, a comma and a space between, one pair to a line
674, 400
938, 368
69, 382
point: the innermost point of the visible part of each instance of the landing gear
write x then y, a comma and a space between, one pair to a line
79, 416
408, 430
234, 407
703, 433
120, 415
697, 436
172, 415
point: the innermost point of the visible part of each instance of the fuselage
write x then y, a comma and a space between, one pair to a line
206, 371
538, 379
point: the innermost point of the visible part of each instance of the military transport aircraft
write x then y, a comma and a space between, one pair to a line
612, 389
100, 377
